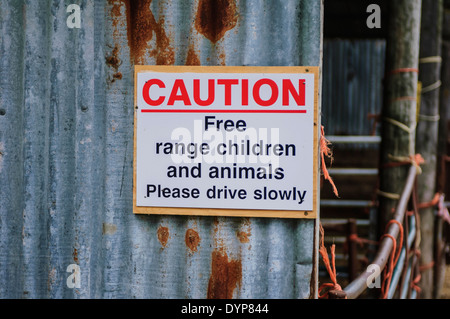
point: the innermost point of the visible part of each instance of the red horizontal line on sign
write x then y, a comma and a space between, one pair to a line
218, 111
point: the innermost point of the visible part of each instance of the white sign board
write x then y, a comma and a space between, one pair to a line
235, 141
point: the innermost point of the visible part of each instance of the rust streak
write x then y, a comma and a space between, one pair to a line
115, 13
118, 76
113, 60
51, 279
140, 27
215, 17
243, 236
192, 57
163, 235
164, 53
226, 275
192, 239
222, 59
141, 24
75, 255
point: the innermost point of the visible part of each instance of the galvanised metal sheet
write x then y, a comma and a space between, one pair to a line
66, 152
353, 72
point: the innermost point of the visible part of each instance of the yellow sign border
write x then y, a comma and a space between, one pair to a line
311, 214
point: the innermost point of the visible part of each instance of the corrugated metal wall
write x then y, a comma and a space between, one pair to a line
353, 73
66, 152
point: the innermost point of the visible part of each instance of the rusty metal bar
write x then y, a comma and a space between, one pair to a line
402, 260
416, 270
407, 282
357, 286
407, 251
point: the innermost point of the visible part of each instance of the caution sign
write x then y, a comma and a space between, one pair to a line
229, 141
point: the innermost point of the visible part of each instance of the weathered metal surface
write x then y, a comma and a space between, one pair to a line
353, 73
66, 152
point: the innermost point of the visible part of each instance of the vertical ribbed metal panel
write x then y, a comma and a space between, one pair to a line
66, 152
353, 73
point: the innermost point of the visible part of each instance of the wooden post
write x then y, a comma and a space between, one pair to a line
427, 132
441, 184
399, 107
444, 99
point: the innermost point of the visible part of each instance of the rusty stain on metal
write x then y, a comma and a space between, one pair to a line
51, 278
217, 240
226, 275
112, 60
222, 59
163, 235
75, 255
244, 234
141, 24
115, 10
215, 17
192, 239
164, 52
118, 76
192, 57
